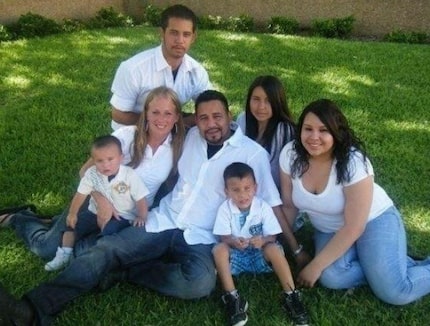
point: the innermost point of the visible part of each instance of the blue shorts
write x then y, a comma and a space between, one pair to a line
250, 260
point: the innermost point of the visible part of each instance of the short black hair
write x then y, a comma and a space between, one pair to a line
177, 11
106, 140
211, 95
238, 170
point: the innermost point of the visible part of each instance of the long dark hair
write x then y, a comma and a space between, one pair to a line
344, 139
276, 94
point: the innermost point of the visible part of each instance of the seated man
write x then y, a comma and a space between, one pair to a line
181, 227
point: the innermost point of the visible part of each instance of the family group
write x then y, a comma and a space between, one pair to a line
173, 201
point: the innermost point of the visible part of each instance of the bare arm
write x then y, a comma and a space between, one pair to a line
77, 201
288, 208
89, 163
358, 199
287, 214
142, 212
125, 118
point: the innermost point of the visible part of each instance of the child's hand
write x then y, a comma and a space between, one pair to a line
256, 241
139, 221
241, 243
71, 220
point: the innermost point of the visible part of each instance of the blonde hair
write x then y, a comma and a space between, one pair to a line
141, 134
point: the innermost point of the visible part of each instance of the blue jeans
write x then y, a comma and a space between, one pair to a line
379, 258
87, 225
43, 238
161, 261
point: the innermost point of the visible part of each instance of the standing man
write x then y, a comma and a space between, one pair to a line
172, 254
165, 65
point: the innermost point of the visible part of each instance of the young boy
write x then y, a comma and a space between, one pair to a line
248, 227
117, 183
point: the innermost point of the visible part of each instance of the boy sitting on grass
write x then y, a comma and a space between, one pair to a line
248, 228
117, 183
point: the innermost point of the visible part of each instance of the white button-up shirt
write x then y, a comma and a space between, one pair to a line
137, 76
261, 220
193, 204
155, 167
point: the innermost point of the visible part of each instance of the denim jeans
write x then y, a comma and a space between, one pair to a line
160, 261
43, 238
379, 258
87, 225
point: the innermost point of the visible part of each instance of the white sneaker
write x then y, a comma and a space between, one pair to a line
61, 259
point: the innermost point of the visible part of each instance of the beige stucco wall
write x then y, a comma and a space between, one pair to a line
373, 17
10, 10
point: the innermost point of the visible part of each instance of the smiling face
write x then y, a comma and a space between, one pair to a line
260, 106
213, 122
177, 38
107, 159
316, 138
161, 116
241, 191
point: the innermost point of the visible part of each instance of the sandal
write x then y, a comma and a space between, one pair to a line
4, 220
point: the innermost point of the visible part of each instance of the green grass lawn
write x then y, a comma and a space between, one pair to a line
54, 98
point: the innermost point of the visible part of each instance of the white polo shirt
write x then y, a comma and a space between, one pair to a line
261, 220
123, 191
194, 202
155, 167
138, 75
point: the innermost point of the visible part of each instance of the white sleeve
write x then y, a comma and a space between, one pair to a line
125, 89
358, 168
266, 189
138, 188
203, 83
86, 185
286, 158
222, 224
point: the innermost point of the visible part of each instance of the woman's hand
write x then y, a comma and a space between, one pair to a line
309, 276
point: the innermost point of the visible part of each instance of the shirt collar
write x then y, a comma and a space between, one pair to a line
162, 64
235, 139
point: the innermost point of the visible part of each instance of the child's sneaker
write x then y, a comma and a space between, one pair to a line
236, 309
295, 309
61, 259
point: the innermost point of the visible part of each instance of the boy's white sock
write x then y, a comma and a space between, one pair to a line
66, 250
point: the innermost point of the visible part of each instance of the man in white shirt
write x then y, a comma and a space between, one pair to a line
166, 65
172, 254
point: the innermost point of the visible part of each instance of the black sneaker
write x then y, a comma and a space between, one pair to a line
236, 309
295, 309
